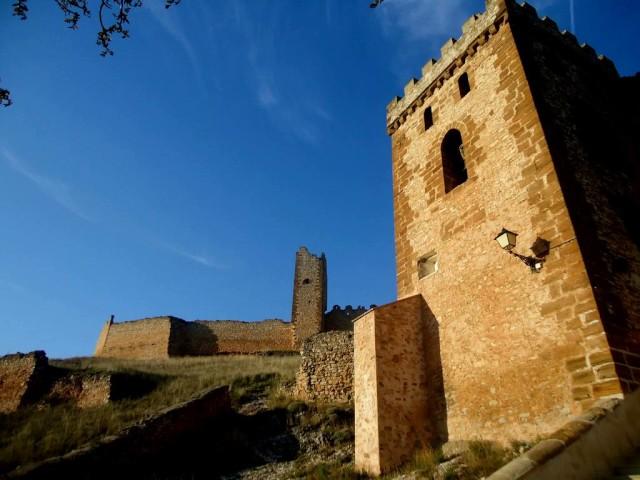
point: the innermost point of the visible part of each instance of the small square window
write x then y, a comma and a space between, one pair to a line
428, 118
463, 84
428, 265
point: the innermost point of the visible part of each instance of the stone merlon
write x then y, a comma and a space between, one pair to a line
475, 32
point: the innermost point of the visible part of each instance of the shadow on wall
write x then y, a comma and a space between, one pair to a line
437, 405
192, 339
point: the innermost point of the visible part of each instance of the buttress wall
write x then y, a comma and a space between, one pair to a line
143, 339
518, 356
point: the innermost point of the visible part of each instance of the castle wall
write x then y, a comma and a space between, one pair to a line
22, 379
342, 318
399, 401
102, 338
163, 337
520, 351
211, 337
326, 369
145, 339
594, 141
309, 295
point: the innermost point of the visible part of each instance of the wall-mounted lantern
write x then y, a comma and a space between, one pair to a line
540, 248
506, 239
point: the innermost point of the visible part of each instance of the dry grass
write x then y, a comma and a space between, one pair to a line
37, 433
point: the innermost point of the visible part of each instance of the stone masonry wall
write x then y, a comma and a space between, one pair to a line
83, 390
342, 318
163, 337
399, 400
594, 141
309, 295
326, 369
22, 379
145, 339
211, 337
508, 336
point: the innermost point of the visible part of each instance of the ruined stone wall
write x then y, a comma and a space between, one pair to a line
27, 379
147, 338
520, 351
309, 295
342, 318
326, 369
22, 379
593, 137
399, 397
83, 390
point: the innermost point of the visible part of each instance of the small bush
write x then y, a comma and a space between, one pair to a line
482, 459
342, 436
297, 406
425, 462
330, 471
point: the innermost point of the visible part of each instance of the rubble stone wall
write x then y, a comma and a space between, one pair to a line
22, 379
83, 390
326, 369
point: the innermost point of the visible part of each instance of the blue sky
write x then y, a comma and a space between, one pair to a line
180, 175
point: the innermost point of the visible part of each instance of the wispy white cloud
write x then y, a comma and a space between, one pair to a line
201, 259
266, 94
56, 190
13, 286
276, 90
420, 19
167, 20
61, 193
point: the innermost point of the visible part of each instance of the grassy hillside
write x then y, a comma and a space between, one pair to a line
40, 432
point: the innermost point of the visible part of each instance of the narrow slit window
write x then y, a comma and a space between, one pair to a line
428, 265
463, 84
454, 168
428, 118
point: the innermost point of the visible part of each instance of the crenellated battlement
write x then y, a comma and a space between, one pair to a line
476, 31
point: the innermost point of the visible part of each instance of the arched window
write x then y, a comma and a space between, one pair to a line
453, 166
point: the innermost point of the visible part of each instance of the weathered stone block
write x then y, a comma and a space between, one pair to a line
22, 379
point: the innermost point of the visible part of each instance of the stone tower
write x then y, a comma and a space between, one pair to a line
309, 295
516, 126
